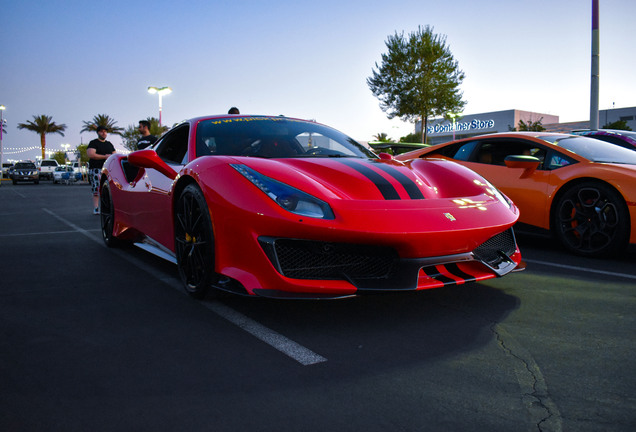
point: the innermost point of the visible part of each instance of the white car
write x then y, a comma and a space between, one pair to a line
63, 173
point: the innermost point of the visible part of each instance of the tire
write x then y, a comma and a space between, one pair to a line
592, 219
194, 242
107, 216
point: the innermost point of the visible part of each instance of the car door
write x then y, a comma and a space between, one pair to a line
527, 190
154, 189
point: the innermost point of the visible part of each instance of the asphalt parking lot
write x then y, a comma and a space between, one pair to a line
101, 339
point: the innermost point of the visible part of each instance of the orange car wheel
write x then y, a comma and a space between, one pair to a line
591, 219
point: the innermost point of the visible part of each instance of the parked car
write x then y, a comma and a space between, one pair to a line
47, 167
6, 167
622, 138
287, 208
580, 189
64, 173
25, 172
394, 148
77, 167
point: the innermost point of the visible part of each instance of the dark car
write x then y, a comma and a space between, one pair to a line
25, 172
622, 138
6, 167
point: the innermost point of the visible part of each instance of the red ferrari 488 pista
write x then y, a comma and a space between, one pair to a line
281, 207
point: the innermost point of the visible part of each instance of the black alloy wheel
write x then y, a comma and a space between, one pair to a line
107, 216
194, 242
591, 219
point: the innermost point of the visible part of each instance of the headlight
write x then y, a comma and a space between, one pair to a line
497, 193
289, 198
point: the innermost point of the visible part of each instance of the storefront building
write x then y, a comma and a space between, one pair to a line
442, 130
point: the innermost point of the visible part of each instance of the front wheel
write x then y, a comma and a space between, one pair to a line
194, 242
591, 219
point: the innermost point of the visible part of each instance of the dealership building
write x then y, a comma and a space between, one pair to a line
442, 130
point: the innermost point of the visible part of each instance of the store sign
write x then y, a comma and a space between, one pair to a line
473, 125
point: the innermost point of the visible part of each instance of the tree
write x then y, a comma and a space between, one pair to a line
43, 125
534, 126
412, 138
620, 125
102, 120
60, 157
418, 78
382, 137
131, 135
81, 149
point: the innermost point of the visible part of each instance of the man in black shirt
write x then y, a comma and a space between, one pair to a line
98, 151
146, 139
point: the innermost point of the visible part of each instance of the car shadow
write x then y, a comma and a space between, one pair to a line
387, 330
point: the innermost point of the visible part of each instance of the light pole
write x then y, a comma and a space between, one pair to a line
65, 147
453, 116
160, 91
2, 108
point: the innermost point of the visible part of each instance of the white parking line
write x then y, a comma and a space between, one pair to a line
270, 337
281, 343
581, 269
40, 233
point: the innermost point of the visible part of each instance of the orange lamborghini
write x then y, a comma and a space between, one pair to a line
580, 189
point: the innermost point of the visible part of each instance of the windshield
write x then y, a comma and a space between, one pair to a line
274, 137
21, 165
594, 150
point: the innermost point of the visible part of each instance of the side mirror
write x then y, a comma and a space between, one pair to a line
149, 158
528, 163
385, 156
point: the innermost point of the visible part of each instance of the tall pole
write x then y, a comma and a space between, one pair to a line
595, 68
2, 108
160, 91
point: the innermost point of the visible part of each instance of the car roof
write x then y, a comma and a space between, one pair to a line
537, 135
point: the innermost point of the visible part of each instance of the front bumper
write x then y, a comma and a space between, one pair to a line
369, 269
25, 177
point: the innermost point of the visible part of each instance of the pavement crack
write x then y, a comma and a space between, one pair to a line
542, 410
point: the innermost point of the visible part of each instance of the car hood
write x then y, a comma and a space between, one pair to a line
372, 179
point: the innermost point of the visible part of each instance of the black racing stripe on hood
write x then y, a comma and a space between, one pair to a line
384, 186
409, 185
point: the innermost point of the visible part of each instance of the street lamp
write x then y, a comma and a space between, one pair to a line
65, 147
160, 91
2, 108
453, 116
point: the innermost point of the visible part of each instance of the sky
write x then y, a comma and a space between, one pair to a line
73, 60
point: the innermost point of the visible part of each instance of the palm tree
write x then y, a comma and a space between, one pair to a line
43, 125
102, 120
155, 128
383, 137
131, 135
